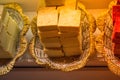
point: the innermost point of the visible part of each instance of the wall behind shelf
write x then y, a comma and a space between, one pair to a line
32, 5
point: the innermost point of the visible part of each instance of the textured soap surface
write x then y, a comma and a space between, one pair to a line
69, 20
47, 19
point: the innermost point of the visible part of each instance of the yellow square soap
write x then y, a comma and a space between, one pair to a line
47, 19
69, 20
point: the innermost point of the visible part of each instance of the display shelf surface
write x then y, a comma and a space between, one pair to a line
87, 73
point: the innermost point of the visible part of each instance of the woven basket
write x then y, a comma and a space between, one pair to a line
16, 11
65, 63
104, 42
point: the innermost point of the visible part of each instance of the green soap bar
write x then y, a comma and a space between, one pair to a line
5, 17
8, 36
12, 28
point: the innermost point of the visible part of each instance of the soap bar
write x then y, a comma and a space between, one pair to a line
71, 4
12, 28
8, 36
5, 54
72, 51
68, 35
47, 20
54, 52
54, 2
41, 3
51, 45
116, 49
1, 9
54, 39
8, 44
70, 42
116, 31
69, 20
43, 10
5, 18
116, 23
49, 34
51, 42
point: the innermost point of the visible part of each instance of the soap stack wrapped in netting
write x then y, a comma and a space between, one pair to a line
104, 44
66, 62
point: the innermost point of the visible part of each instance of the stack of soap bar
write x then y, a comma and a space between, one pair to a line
8, 35
48, 31
61, 35
69, 23
116, 30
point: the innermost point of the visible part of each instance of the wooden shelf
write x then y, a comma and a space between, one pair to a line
87, 73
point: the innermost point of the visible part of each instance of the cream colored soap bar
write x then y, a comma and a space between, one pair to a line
54, 52
47, 20
49, 34
69, 20
54, 2
68, 35
72, 51
52, 45
51, 42
70, 42
54, 39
